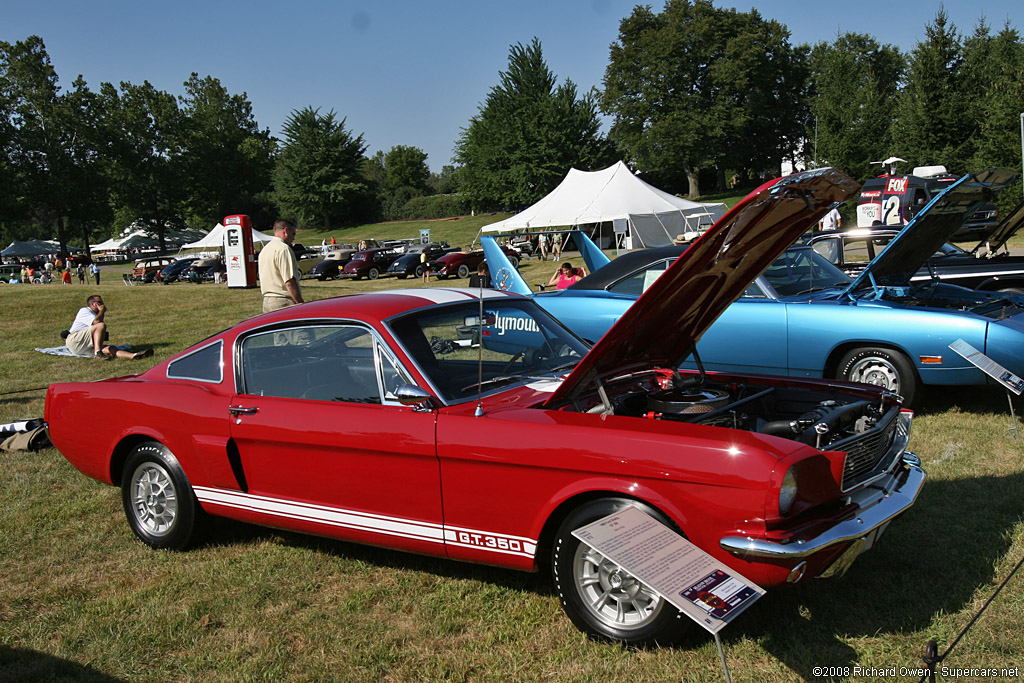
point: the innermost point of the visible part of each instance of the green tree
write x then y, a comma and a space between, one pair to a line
319, 176
444, 182
145, 163
933, 125
691, 87
995, 66
527, 134
227, 160
51, 157
854, 93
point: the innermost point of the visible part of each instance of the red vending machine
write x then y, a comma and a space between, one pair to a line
239, 255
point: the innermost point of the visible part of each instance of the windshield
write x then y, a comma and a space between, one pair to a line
520, 342
801, 270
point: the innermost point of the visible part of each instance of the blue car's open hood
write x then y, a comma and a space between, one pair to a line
932, 227
664, 324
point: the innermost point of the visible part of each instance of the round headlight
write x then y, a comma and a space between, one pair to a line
787, 494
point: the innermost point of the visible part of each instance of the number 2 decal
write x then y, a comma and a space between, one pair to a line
891, 214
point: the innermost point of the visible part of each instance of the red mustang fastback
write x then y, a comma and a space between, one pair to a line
444, 422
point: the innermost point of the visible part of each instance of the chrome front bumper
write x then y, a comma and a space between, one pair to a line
880, 508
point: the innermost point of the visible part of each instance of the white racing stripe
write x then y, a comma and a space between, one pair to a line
362, 521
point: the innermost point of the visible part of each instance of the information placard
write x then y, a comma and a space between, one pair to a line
989, 366
701, 587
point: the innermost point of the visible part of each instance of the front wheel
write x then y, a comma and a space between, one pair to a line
160, 505
881, 367
463, 271
601, 598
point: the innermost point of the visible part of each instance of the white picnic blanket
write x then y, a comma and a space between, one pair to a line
65, 351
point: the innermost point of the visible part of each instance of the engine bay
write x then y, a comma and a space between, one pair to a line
821, 418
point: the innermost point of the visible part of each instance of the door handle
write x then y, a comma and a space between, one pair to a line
240, 410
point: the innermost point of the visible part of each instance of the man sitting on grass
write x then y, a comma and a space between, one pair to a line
89, 332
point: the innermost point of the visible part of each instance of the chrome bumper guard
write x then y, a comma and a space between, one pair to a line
858, 530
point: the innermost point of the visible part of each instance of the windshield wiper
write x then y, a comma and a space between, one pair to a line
564, 366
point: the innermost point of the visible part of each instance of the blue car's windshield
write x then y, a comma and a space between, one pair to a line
520, 341
800, 270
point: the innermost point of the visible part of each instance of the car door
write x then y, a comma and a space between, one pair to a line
321, 444
750, 336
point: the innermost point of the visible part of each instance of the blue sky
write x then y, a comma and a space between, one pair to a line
401, 72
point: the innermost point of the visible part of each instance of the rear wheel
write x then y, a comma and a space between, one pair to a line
160, 505
601, 598
419, 270
881, 367
514, 261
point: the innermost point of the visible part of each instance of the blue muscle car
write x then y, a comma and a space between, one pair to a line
804, 317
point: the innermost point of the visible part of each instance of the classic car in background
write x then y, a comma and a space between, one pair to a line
803, 317
145, 270
988, 266
462, 264
172, 272
411, 263
473, 425
370, 263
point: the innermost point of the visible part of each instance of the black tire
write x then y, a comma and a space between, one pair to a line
880, 367
160, 505
582, 576
402, 276
321, 277
463, 271
373, 273
514, 261
419, 270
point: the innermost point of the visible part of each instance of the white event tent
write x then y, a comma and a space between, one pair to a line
642, 215
215, 239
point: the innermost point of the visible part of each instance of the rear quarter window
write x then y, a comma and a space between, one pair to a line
203, 365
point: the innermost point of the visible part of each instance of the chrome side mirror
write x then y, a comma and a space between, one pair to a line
412, 395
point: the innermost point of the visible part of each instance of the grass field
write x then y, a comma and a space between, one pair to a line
81, 599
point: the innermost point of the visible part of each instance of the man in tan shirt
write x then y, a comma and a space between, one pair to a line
279, 269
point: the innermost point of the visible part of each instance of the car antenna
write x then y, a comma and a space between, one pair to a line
480, 356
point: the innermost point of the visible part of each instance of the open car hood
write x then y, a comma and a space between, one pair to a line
661, 329
1006, 229
932, 227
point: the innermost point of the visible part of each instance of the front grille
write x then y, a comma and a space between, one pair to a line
865, 453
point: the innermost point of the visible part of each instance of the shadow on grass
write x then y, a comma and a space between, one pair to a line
979, 399
224, 531
17, 664
930, 561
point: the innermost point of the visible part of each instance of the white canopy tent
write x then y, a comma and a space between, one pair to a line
215, 239
644, 215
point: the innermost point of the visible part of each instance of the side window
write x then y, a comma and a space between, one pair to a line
637, 283
316, 362
204, 365
828, 248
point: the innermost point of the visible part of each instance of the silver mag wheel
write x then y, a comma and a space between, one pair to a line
158, 501
881, 367
601, 598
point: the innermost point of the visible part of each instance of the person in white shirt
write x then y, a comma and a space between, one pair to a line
831, 221
88, 334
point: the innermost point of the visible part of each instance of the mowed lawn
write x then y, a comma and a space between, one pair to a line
81, 599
